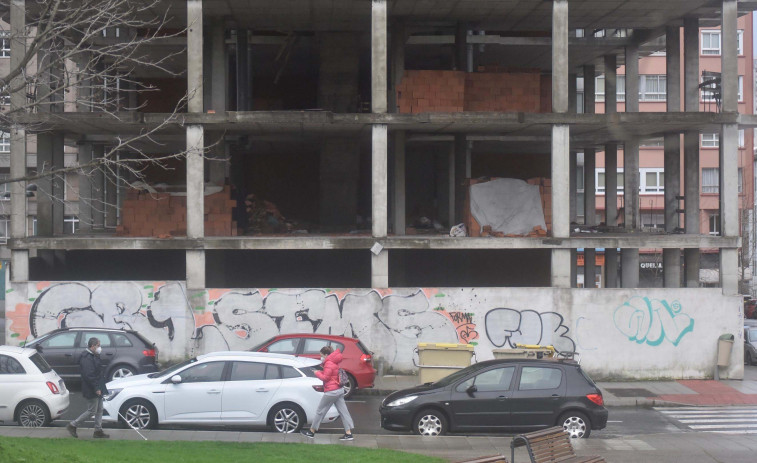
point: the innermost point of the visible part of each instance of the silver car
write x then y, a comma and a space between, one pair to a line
750, 344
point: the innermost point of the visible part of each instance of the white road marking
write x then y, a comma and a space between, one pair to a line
737, 420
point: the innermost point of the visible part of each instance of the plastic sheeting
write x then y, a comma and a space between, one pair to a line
508, 205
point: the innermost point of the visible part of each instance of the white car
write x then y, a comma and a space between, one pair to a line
31, 393
230, 388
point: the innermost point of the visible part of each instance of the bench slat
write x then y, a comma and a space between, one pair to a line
489, 459
552, 445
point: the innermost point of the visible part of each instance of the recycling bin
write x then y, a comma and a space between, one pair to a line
437, 360
725, 344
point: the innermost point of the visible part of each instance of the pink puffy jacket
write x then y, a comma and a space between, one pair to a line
330, 373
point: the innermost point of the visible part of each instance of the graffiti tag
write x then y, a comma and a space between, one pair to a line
652, 321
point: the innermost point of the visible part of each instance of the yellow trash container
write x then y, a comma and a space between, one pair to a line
438, 360
525, 351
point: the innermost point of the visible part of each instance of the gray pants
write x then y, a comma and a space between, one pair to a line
94, 407
333, 398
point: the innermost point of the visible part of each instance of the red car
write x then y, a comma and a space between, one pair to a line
358, 360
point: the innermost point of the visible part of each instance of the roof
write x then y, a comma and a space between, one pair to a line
16, 350
330, 337
280, 359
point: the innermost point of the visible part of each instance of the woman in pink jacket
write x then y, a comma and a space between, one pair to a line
333, 394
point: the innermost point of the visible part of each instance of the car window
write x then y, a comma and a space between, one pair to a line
289, 372
539, 378
40, 363
314, 345
253, 371
498, 379
753, 334
102, 337
62, 340
284, 346
203, 373
121, 340
10, 366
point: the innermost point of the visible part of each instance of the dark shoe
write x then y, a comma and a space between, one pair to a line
72, 430
99, 434
308, 433
346, 437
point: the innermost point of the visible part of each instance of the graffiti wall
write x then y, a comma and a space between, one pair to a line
645, 333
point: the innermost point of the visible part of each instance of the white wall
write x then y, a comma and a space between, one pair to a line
620, 333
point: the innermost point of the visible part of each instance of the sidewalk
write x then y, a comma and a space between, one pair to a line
637, 393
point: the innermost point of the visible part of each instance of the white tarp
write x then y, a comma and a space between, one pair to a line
508, 205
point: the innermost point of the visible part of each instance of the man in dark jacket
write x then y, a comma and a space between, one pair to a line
92, 388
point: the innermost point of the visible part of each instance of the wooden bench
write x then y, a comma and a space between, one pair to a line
550, 445
490, 459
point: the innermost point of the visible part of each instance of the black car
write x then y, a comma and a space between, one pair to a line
125, 353
500, 395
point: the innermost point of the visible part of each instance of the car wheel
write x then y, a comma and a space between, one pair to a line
350, 388
287, 418
121, 371
430, 423
576, 424
33, 414
139, 413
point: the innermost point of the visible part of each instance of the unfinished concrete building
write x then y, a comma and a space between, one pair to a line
331, 147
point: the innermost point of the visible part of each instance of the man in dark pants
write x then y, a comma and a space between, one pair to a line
92, 388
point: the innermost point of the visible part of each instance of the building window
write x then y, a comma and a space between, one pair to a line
710, 140
599, 180
741, 88
741, 180
600, 88
709, 92
714, 224
652, 180
5, 142
5, 44
741, 138
710, 180
4, 222
70, 224
652, 88
710, 42
740, 43
652, 220
652, 143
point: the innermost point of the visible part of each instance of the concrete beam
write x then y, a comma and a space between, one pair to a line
195, 181
378, 56
19, 270
560, 70
631, 240
194, 56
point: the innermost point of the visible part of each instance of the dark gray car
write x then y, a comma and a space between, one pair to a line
750, 344
125, 353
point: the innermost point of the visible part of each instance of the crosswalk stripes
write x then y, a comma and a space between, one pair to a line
735, 420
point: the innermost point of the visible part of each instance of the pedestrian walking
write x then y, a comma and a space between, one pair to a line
333, 394
92, 388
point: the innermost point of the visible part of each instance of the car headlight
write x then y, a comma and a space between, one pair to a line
112, 393
402, 401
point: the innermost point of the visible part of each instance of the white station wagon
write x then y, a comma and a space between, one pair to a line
31, 393
229, 388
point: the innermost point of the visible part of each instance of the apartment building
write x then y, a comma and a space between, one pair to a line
328, 151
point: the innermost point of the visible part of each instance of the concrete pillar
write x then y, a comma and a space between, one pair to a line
399, 183
112, 183
573, 203
219, 63
243, 78
611, 168
631, 218
729, 150
380, 261
590, 217
44, 193
195, 259
58, 183
573, 93
85, 189
462, 172
97, 203
18, 224
378, 56
691, 147
399, 37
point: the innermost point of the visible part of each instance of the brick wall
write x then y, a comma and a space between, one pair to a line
492, 90
163, 215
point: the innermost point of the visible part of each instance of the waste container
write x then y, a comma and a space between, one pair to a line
524, 351
438, 360
725, 344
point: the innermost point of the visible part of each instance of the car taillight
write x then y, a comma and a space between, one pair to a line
318, 388
53, 388
148, 352
596, 398
366, 358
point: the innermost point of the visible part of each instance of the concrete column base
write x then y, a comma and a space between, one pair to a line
691, 260
590, 268
630, 268
611, 268
19, 265
195, 269
380, 270
671, 267
729, 272
561, 268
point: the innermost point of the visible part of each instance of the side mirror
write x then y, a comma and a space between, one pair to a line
471, 389
38, 347
176, 379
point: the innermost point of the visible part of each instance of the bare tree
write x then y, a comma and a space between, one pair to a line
82, 55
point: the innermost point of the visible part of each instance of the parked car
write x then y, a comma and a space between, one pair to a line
230, 388
505, 395
357, 362
750, 344
31, 393
125, 352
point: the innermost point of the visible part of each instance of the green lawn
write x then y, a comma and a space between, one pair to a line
32, 450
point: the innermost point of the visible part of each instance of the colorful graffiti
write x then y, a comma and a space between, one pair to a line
507, 327
652, 321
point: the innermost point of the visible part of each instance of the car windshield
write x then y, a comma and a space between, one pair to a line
460, 374
259, 346
170, 370
310, 371
753, 334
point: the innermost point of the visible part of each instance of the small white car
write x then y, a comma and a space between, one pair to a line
31, 393
230, 388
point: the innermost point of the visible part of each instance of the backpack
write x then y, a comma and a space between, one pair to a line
344, 379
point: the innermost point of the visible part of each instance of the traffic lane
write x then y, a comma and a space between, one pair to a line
365, 414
